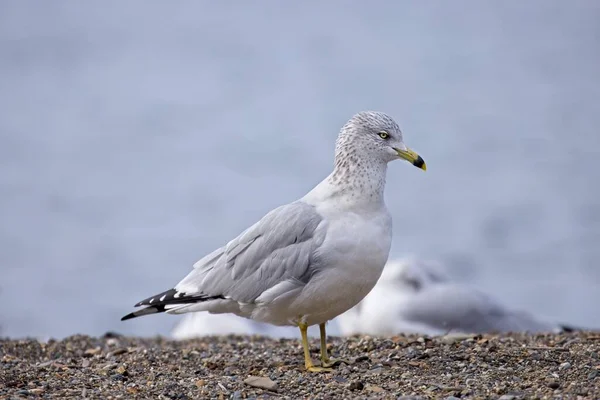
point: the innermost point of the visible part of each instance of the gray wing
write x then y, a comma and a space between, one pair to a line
464, 309
280, 247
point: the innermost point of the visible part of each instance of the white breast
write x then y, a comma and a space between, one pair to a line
354, 260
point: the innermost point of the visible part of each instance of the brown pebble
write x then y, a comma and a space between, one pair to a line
375, 389
92, 352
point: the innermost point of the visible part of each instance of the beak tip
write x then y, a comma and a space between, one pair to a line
420, 163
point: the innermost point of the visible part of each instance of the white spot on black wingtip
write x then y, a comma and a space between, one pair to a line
168, 300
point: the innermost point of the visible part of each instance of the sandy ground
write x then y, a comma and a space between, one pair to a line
239, 367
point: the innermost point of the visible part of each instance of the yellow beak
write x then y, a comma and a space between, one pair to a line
412, 158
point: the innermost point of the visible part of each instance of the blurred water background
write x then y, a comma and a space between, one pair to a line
137, 136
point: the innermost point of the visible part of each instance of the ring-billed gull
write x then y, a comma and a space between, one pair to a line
306, 262
417, 296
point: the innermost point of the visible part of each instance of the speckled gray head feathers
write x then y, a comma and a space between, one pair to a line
369, 134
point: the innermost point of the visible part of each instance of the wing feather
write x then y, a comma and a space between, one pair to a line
281, 246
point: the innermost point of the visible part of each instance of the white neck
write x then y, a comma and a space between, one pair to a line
354, 183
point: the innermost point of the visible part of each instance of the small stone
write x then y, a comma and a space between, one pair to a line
361, 358
356, 385
456, 337
470, 382
200, 383
108, 367
507, 397
36, 391
116, 352
122, 370
92, 352
451, 398
261, 382
85, 363
565, 365
375, 389
112, 342
593, 374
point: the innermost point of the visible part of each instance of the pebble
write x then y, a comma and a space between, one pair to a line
92, 352
507, 397
454, 338
356, 385
376, 389
261, 382
116, 352
565, 365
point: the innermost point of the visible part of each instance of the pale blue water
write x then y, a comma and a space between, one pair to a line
135, 137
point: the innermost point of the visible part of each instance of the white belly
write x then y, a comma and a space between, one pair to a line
352, 267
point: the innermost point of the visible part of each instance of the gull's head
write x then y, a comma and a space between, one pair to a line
377, 135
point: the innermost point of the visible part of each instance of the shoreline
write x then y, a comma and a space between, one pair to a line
507, 366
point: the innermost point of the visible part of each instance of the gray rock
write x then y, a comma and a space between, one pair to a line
455, 337
565, 365
261, 382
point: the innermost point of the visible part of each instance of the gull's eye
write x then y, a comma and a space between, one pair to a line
384, 135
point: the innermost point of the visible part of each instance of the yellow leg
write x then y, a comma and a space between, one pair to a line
325, 360
308, 363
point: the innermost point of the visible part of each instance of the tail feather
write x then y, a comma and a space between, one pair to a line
164, 301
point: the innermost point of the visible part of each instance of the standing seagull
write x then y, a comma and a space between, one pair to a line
306, 262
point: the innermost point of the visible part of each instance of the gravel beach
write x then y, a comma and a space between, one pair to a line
503, 367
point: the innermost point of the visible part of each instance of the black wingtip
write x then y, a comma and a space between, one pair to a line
160, 302
128, 316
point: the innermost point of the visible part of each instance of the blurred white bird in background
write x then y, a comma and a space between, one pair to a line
417, 296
